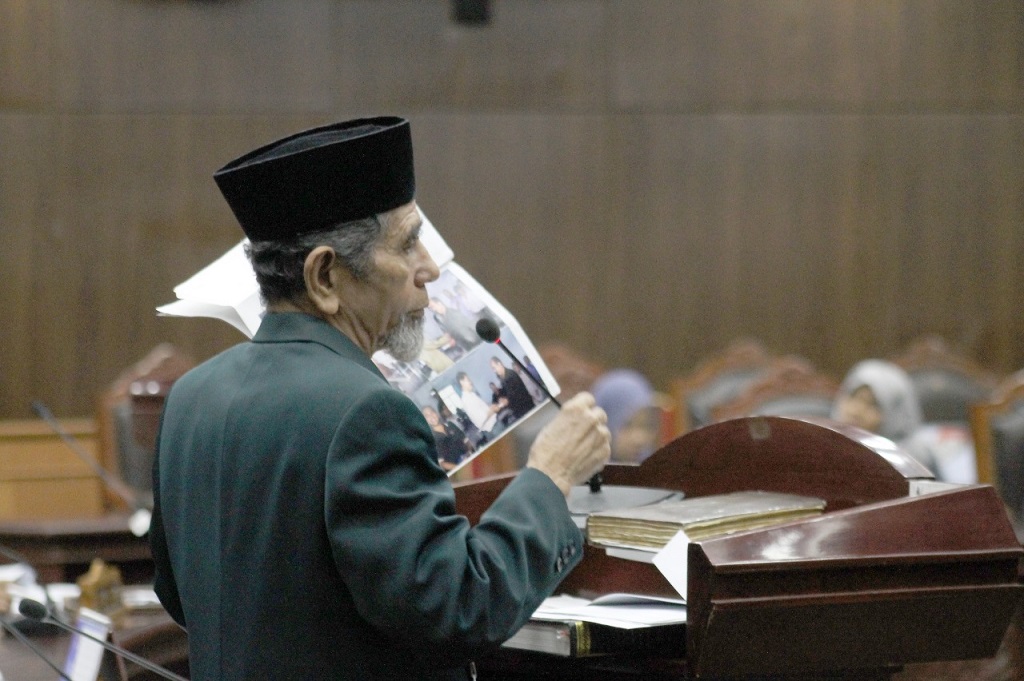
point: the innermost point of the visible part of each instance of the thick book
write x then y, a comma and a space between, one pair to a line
651, 527
579, 638
454, 381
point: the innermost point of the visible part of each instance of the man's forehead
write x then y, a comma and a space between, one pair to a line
401, 222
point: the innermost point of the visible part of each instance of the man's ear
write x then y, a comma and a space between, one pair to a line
323, 279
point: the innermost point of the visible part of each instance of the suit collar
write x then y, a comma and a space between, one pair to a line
299, 327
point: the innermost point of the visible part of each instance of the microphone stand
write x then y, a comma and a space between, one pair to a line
488, 330
598, 499
139, 521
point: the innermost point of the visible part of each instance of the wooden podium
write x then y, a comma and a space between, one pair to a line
887, 576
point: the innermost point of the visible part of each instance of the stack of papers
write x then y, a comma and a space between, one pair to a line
623, 611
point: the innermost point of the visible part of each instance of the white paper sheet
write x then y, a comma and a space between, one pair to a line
671, 561
633, 615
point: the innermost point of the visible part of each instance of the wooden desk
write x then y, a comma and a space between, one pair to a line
882, 581
61, 550
19, 663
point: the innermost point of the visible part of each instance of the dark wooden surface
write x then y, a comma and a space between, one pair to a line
18, 663
61, 550
907, 580
1006, 665
878, 584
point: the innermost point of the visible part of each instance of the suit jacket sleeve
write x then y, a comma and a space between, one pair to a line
417, 571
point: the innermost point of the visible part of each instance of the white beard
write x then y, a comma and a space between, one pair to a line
405, 341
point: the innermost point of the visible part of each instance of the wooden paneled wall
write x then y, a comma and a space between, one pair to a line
645, 180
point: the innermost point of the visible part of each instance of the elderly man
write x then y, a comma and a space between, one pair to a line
302, 526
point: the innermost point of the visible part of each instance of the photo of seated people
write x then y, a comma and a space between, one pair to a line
453, 446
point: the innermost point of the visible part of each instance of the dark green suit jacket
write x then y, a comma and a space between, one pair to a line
303, 529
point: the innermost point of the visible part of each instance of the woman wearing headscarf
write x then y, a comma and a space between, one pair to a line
879, 397
633, 416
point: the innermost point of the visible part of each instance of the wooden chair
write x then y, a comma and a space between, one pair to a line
947, 381
997, 424
790, 386
572, 370
128, 414
716, 380
666, 408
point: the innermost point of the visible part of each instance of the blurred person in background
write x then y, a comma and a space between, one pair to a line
634, 416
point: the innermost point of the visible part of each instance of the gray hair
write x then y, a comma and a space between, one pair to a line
278, 264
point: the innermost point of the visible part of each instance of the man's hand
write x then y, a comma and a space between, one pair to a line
575, 445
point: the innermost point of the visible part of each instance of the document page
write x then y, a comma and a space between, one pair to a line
633, 612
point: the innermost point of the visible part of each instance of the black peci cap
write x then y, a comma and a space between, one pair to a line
319, 178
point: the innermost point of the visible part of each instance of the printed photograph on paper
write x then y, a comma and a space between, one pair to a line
469, 390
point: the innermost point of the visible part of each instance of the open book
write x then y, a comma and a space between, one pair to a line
455, 377
651, 527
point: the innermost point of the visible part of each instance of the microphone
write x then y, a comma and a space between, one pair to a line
19, 558
37, 611
488, 330
139, 521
